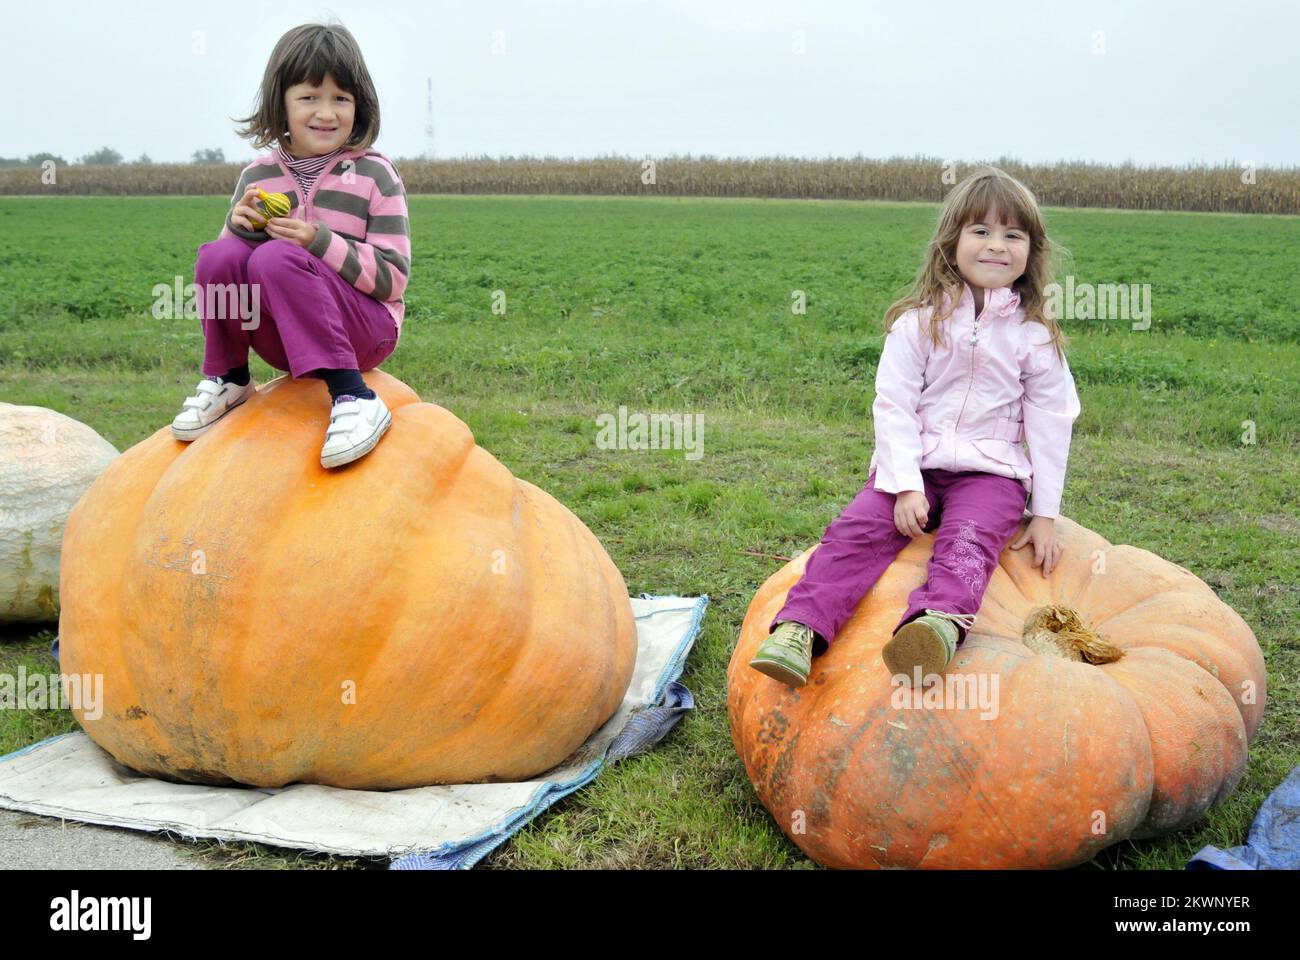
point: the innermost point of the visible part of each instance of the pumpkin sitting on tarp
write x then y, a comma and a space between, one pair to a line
420, 616
1114, 698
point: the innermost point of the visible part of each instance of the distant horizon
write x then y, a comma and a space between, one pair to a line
1220, 165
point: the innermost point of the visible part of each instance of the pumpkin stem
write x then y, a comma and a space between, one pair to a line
1059, 631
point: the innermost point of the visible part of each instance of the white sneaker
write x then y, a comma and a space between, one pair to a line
211, 401
355, 427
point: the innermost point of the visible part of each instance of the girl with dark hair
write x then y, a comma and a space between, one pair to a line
326, 281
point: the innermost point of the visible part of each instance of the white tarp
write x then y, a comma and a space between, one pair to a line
71, 777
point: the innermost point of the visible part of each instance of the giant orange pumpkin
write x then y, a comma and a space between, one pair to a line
1113, 699
419, 616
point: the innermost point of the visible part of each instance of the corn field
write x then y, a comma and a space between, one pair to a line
1224, 188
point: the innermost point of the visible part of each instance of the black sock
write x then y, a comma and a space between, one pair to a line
346, 381
238, 376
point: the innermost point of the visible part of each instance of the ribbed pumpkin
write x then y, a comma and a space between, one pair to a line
419, 616
1069, 757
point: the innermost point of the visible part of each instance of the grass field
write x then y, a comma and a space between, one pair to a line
685, 306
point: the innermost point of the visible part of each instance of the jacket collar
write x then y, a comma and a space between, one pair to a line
998, 302
273, 156
289, 160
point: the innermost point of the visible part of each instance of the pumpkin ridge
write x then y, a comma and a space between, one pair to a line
997, 613
225, 656
1140, 605
601, 698
1071, 585
539, 504
1199, 612
535, 505
441, 480
450, 469
143, 550
1147, 576
607, 667
108, 657
1224, 664
1163, 677
1118, 702
939, 737
519, 654
398, 757
620, 659
519, 658
1177, 599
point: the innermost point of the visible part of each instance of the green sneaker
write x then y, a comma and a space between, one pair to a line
928, 642
786, 654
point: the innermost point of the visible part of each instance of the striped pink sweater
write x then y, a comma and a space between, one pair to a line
359, 207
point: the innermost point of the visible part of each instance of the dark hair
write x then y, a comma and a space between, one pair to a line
304, 55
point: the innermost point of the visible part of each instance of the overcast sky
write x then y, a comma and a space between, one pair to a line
1154, 82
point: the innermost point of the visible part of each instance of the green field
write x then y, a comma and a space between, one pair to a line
685, 306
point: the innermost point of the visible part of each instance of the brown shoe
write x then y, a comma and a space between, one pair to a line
928, 642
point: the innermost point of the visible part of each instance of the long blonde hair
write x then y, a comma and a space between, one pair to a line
971, 201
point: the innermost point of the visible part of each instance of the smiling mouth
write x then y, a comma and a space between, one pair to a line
994, 263
323, 129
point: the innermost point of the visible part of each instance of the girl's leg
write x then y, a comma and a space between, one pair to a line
320, 321
981, 513
221, 276
856, 549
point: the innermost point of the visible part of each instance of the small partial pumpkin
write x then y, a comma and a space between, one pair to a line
1126, 696
419, 616
48, 461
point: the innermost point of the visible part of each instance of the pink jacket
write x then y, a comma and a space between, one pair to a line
972, 403
359, 207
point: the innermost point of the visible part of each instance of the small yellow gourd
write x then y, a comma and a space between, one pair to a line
272, 204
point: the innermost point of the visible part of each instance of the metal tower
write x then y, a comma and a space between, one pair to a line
428, 123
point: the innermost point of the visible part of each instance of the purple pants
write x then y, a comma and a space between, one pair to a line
976, 514
309, 317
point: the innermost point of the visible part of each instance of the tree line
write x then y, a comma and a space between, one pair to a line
106, 157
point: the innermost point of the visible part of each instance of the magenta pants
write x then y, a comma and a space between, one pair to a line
309, 317
976, 514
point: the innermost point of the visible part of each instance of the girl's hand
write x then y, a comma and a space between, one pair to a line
911, 512
1047, 548
245, 215
287, 228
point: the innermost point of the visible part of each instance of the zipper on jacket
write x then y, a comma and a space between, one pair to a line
306, 203
988, 300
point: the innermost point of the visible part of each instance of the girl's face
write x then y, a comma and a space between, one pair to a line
320, 118
990, 255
